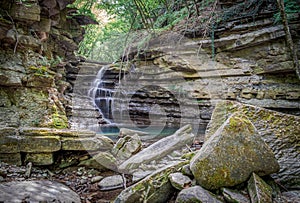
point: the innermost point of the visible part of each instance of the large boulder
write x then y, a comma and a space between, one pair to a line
280, 131
229, 157
158, 150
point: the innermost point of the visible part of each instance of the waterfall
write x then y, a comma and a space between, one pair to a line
102, 95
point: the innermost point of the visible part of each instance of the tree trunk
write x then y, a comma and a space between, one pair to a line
288, 36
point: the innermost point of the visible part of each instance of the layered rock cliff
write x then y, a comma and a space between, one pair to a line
36, 37
245, 59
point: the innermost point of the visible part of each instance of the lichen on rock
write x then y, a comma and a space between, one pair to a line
231, 154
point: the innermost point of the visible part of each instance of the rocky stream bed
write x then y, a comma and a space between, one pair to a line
238, 162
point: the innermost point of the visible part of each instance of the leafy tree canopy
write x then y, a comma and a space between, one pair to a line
119, 20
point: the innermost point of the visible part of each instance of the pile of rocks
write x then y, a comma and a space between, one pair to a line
234, 165
240, 161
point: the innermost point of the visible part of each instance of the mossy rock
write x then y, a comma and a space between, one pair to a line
154, 188
231, 154
280, 131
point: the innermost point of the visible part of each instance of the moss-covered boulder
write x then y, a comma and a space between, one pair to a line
229, 156
280, 131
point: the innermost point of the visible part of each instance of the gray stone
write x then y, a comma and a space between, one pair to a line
26, 12
229, 157
292, 196
36, 144
31, 131
259, 190
40, 159
37, 191
127, 146
187, 171
125, 131
196, 194
111, 182
13, 158
283, 140
9, 141
96, 179
159, 149
233, 196
179, 181
155, 188
11, 78
107, 160
92, 163
89, 144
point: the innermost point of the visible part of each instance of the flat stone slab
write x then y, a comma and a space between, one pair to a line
111, 183
37, 191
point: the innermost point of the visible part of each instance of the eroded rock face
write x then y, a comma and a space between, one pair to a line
231, 154
280, 131
39, 144
36, 37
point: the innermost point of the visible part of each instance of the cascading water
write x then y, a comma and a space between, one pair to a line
102, 94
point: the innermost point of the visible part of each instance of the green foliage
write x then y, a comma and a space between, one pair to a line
40, 71
291, 7
84, 7
107, 42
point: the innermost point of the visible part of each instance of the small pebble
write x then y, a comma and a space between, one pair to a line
1, 179
83, 181
96, 179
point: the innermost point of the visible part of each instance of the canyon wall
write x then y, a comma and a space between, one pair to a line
36, 37
246, 60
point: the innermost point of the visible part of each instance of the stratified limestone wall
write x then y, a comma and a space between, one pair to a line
38, 145
250, 64
36, 37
